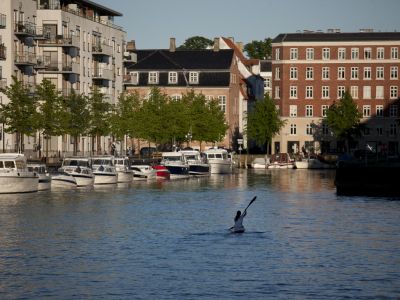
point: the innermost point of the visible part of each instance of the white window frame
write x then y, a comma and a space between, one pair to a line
366, 92
394, 72
293, 129
354, 53
326, 53
309, 129
394, 92
309, 92
379, 110
380, 53
394, 53
354, 91
293, 73
309, 111
293, 110
366, 111
277, 54
277, 92
354, 73
324, 110
277, 73
172, 77
153, 77
380, 92
293, 92
294, 53
222, 103
380, 73
367, 73
341, 73
340, 91
194, 77
310, 54
367, 53
325, 73
325, 92
134, 76
309, 73
341, 53
176, 97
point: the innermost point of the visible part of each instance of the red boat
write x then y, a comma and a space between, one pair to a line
162, 172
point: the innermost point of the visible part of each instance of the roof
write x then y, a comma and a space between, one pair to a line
336, 36
100, 8
160, 59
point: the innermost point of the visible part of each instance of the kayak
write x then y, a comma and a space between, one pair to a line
237, 229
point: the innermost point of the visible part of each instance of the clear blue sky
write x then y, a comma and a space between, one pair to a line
152, 22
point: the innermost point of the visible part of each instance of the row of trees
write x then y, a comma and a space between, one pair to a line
156, 118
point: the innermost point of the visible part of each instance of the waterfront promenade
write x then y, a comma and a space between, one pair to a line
169, 240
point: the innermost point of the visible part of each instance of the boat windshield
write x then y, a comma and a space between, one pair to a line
104, 162
9, 164
191, 157
172, 158
76, 163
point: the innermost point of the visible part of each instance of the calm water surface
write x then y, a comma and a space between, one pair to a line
169, 240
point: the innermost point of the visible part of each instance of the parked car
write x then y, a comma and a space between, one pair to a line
147, 151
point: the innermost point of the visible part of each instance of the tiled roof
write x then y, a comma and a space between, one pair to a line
337, 36
182, 60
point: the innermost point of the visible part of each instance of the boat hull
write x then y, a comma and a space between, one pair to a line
199, 169
82, 180
178, 172
125, 176
44, 182
63, 181
24, 183
105, 178
220, 167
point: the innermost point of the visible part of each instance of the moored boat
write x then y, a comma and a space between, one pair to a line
63, 180
104, 170
122, 165
80, 168
176, 164
220, 161
162, 172
15, 176
143, 172
41, 170
281, 161
197, 165
260, 163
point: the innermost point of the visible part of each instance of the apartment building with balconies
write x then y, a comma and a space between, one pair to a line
312, 70
73, 43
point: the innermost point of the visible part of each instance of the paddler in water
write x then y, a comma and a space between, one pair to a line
239, 221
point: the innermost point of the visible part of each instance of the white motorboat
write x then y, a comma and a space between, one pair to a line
281, 161
104, 170
44, 176
220, 161
80, 168
122, 165
197, 165
143, 172
176, 164
63, 180
312, 163
260, 163
15, 176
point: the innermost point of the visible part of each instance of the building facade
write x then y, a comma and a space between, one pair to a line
211, 72
310, 71
73, 43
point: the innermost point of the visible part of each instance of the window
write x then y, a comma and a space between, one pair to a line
367, 53
354, 53
277, 54
324, 110
309, 73
153, 77
325, 73
366, 92
293, 129
393, 92
293, 73
341, 90
134, 77
293, 92
193, 77
310, 53
393, 73
222, 103
176, 97
326, 53
380, 73
293, 53
341, 73
309, 130
393, 129
342, 53
354, 92
172, 77
293, 110
379, 130
354, 72
380, 53
267, 83
309, 92
277, 73
379, 110
367, 131
366, 110
367, 73
394, 53
309, 110
379, 92
325, 92
277, 92
393, 110
325, 129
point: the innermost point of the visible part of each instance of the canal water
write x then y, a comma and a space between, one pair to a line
170, 240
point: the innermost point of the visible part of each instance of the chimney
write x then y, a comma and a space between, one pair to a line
131, 46
172, 45
216, 44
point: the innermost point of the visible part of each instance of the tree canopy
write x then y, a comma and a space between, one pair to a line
263, 122
259, 49
196, 43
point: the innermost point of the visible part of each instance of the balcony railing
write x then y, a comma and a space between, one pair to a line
59, 41
25, 58
25, 28
3, 49
102, 49
3, 83
58, 67
101, 73
3, 21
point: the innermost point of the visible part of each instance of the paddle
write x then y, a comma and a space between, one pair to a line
251, 202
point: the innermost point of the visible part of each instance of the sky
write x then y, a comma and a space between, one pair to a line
151, 23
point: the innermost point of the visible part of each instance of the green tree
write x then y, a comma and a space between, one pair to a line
196, 43
263, 123
76, 116
343, 119
19, 114
259, 49
99, 117
215, 120
50, 111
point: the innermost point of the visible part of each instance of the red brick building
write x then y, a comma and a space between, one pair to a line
311, 70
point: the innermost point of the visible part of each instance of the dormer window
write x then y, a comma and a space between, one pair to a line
193, 77
172, 77
153, 77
